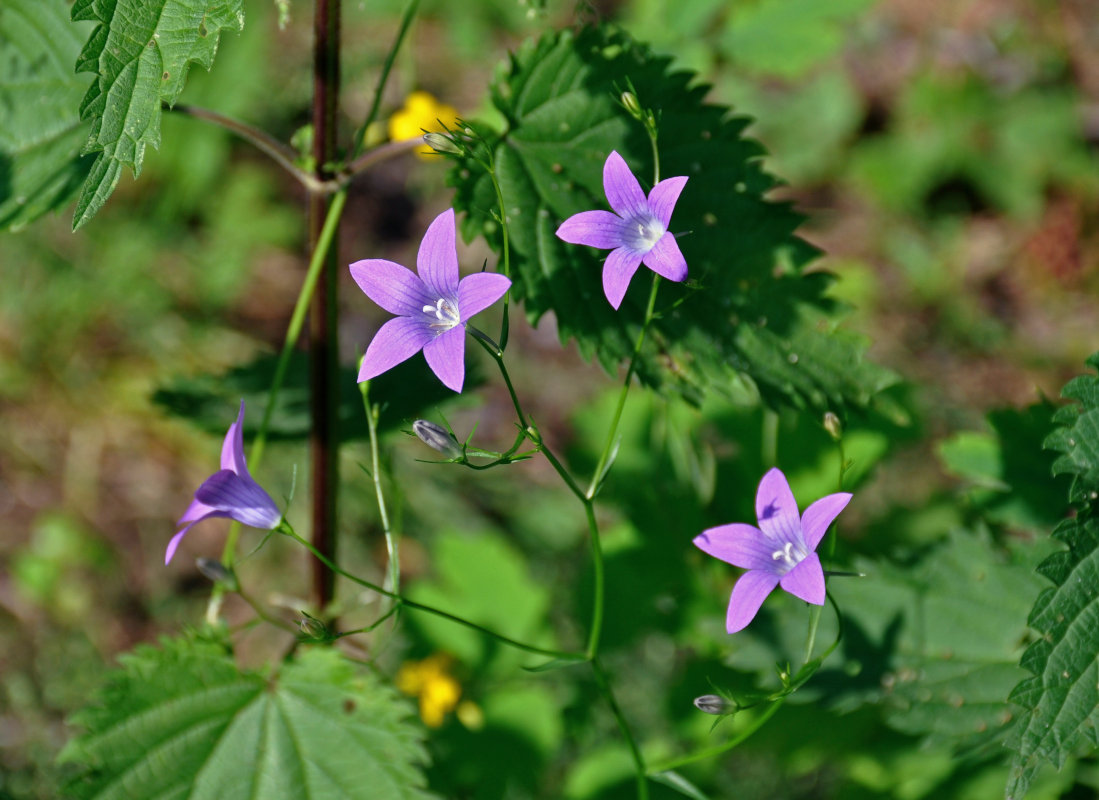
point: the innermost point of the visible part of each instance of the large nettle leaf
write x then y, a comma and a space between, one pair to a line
748, 307
41, 134
181, 721
1061, 698
140, 52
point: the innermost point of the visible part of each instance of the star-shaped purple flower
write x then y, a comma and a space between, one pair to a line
230, 492
637, 232
780, 552
432, 308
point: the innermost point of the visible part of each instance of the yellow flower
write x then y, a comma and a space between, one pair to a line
431, 681
421, 112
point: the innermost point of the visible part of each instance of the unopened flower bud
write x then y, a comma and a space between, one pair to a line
630, 103
441, 144
313, 628
713, 704
833, 425
437, 438
217, 572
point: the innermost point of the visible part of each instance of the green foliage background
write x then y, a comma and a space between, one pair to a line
953, 196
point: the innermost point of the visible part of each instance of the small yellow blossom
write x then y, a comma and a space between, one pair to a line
421, 112
431, 681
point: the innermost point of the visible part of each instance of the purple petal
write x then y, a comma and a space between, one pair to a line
446, 354
618, 270
819, 515
600, 229
665, 259
173, 543
232, 449
477, 292
396, 341
195, 512
622, 189
663, 197
739, 544
437, 260
806, 580
776, 509
240, 498
396, 289
748, 595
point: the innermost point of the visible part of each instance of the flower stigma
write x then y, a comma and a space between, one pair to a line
445, 312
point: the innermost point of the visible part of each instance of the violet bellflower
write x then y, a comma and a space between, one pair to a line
780, 552
230, 492
636, 233
431, 308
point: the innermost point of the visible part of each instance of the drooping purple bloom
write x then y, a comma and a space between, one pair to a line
780, 552
636, 233
230, 492
432, 308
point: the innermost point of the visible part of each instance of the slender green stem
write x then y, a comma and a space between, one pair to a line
383, 78
716, 750
598, 580
392, 553
768, 449
293, 333
612, 433
404, 601
635, 751
505, 325
656, 156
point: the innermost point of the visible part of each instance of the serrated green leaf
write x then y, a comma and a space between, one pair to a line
182, 721
1061, 698
748, 308
140, 52
40, 130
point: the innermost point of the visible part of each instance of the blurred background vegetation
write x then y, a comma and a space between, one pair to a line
946, 155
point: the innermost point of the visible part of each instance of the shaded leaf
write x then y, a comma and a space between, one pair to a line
140, 52
182, 721
748, 307
41, 133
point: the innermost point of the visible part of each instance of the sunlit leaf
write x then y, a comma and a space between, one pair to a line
140, 53
182, 721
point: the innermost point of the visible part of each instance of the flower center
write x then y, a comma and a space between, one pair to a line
445, 314
642, 233
790, 555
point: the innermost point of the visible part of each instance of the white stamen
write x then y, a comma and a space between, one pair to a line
445, 312
647, 234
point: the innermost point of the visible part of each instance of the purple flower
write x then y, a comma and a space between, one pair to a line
431, 308
230, 492
780, 552
637, 231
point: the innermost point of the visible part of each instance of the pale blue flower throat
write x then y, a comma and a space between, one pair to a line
445, 314
641, 233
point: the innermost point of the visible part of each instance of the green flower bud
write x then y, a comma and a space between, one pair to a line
714, 704
441, 144
833, 425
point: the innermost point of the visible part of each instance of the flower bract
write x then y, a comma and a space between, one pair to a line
431, 308
636, 233
230, 492
780, 552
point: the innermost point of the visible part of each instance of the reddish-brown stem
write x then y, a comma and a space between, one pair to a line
323, 342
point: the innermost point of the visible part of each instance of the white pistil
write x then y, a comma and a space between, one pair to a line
444, 312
